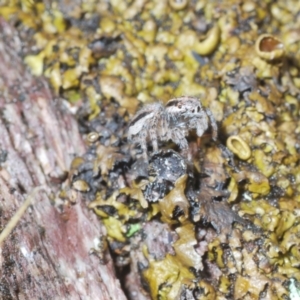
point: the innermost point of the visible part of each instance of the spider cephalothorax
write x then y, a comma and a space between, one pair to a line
185, 114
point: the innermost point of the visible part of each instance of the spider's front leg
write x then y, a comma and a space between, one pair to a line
178, 137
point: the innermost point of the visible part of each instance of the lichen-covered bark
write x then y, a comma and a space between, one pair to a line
48, 255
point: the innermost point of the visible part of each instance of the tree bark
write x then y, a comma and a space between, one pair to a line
48, 255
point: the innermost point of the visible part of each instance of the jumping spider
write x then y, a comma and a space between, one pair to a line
172, 122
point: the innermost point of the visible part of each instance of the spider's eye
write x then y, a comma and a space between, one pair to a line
198, 108
179, 106
193, 110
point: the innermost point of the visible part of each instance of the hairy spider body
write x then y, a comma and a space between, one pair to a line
172, 122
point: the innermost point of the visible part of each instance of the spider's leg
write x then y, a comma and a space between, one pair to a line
153, 137
213, 124
178, 138
143, 143
144, 148
163, 128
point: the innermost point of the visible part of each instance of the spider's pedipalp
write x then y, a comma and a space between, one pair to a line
201, 124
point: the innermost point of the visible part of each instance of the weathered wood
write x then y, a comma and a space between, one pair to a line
48, 255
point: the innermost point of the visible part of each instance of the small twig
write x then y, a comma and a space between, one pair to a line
18, 215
